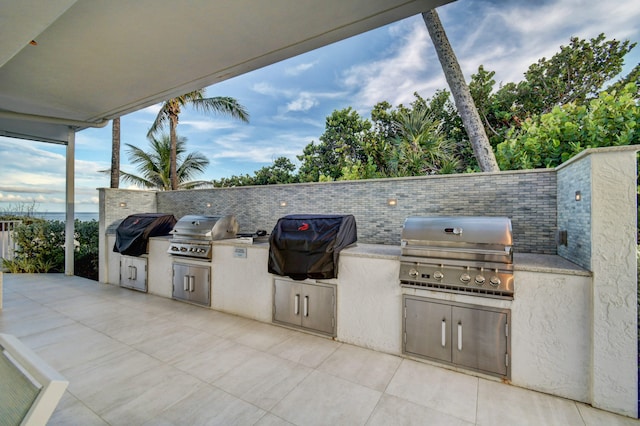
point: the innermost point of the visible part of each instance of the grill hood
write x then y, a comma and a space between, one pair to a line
487, 239
207, 228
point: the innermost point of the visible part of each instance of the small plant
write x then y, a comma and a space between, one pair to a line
41, 248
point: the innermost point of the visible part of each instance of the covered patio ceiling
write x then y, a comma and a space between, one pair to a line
91, 61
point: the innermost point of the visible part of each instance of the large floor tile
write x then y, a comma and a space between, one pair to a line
595, 417
305, 349
263, 379
75, 350
363, 366
166, 387
107, 372
506, 404
322, 399
71, 411
442, 390
208, 406
261, 336
220, 357
400, 412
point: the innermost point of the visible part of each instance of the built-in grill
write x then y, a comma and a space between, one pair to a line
305, 246
193, 234
458, 254
133, 233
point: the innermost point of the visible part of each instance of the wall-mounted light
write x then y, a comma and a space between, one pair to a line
392, 202
122, 204
283, 204
578, 196
208, 204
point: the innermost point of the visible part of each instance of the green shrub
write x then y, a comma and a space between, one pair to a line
41, 248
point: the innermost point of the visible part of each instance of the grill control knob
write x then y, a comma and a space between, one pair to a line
413, 273
174, 248
480, 279
495, 281
183, 249
465, 278
438, 275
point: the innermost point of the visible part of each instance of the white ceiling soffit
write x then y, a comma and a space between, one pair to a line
97, 60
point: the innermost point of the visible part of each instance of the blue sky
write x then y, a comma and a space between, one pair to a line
290, 100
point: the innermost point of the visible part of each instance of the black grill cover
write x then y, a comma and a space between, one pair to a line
307, 246
132, 235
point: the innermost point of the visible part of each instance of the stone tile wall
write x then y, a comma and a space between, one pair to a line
574, 217
527, 197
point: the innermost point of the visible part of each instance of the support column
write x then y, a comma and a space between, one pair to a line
614, 384
70, 204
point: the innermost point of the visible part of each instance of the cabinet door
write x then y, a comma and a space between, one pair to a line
428, 329
180, 281
200, 285
479, 339
286, 302
133, 273
318, 308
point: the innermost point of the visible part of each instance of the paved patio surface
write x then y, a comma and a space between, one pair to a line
138, 359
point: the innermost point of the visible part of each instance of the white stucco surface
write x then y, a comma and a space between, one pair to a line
615, 332
550, 333
370, 303
240, 285
159, 267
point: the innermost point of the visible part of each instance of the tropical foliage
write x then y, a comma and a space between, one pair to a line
550, 139
154, 165
41, 248
170, 112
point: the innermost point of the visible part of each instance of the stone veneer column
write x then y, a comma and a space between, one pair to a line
614, 384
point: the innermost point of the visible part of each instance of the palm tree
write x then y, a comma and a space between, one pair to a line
421, 147
154, 166
171, 110
115, 152
461, 94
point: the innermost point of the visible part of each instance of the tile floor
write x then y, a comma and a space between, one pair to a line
137, 359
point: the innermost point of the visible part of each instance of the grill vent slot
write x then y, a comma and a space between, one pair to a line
455, 289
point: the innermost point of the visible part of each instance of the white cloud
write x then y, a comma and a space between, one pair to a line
299, 69
397, 76
304, 102
208, 125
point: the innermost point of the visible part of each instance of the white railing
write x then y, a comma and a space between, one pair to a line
7, 243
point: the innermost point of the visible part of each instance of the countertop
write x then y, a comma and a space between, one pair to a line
529, 262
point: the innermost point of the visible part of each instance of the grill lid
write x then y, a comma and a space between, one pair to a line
458, 237
196, 227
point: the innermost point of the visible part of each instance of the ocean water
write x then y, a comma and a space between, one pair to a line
61, 216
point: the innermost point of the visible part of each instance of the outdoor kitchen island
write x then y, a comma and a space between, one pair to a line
550, 311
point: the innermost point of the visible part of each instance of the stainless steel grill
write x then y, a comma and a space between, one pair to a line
466, 254
192, 235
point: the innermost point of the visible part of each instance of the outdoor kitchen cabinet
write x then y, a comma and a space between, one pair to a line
192, 283
469, 336
305, 305
133, 272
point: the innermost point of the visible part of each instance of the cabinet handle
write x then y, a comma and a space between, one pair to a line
296, 305
134, 273
444, 333
459, 336
192, 283
306, 306
185, 283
